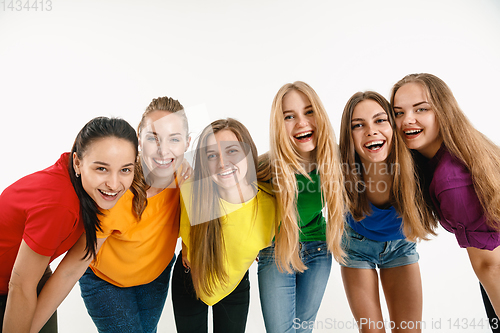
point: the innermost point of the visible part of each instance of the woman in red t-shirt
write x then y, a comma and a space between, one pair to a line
55, 210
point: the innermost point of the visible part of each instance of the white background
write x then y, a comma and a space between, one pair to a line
82, 59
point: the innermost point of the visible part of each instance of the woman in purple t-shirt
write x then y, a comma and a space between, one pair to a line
463, 189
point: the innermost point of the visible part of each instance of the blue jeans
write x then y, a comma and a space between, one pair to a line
290, 302
365, 253
133, 309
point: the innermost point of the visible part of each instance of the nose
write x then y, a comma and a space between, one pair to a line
370, 130
112, 182
163, 148
408, 118
301, 121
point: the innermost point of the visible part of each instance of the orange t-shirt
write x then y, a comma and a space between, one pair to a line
137, 252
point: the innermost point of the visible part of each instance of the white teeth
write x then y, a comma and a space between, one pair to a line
228, 172
368, 145
164, 162
111, 194
413, 131
298, 136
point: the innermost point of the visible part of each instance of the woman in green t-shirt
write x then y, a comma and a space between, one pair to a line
304, 169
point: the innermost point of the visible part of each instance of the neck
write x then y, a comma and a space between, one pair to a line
432, 149
238, 194
159, 184
378, 179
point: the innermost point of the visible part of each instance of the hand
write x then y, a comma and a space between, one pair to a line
187, 171
185, 261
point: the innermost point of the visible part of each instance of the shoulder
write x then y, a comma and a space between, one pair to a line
49, 187
451, 173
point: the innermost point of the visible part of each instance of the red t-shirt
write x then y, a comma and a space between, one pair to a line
44, 210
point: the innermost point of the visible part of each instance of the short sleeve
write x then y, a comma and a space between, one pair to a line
47, 227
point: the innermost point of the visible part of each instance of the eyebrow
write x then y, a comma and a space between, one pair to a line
307, 107
374, 116
107, 164
414, 105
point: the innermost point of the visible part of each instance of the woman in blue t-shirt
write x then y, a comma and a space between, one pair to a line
386, 216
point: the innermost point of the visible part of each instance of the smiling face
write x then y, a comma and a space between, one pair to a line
106, 170
416, 120
227, 161
163, 141
371, 132
300, 122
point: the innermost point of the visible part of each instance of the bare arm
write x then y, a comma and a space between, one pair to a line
21, 302
67, 273
486, 265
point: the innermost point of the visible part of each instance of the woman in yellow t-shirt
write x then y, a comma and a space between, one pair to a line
226, 219
125, 287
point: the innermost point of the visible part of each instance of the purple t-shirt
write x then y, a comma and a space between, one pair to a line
457, 204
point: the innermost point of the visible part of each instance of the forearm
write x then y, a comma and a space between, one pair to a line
489, 278
20, 309
61, 282
54, 292
486, 265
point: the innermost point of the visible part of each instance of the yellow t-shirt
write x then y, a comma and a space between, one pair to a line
137, 252
244, 235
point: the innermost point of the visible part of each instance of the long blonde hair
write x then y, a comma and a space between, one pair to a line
405, 190
206, 246
283, 162
479, 154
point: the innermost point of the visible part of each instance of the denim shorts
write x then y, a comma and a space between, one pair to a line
366, 253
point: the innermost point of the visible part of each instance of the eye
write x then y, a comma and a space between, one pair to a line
211, 156
127, 170
398, 113
289, 117
309, 112
356, 126
103, 169
232, 151
175, 140
422, 110
381, 120
151, 138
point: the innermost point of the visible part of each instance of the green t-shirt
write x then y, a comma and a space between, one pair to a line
309, 206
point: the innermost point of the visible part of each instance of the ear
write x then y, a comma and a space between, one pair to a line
187, 143
76, 163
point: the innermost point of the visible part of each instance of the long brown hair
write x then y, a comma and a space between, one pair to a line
206, 246
281, 165
97, 129
405, 190
167, 104
479, 154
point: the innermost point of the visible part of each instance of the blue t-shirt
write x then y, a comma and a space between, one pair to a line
382, 225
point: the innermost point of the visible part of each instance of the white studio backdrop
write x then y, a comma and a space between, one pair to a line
82, 59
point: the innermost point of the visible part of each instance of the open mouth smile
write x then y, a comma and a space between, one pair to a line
226, 173
107, 195
304, 136
374, 145
411, 133
164, 163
